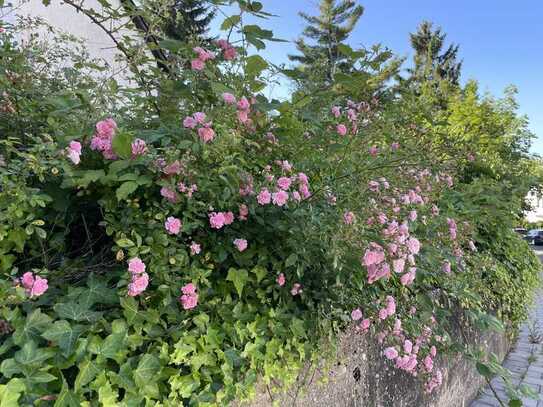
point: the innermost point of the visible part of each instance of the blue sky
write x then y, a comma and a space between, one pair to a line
501, 42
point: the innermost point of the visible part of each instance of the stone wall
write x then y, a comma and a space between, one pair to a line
362, 377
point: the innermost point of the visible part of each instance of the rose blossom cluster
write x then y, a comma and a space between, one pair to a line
103, 138
228, 51
412, 355
204, 55
349, 116
219, 219
285, 188
198, 120
189, 297
139, 278
34, 285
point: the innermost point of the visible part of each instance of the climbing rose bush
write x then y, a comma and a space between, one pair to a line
180, 258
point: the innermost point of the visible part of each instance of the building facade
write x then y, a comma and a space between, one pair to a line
536, 202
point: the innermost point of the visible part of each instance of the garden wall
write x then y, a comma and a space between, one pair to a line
363, 377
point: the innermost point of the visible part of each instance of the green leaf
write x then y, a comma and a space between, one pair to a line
76, 311
41, 377
239, 277
484, 370
67, 398
64, 335
9, 367
260, 273
171, 45
229, 22
255, 65
97, 293
515, 403
112, 345
90, 176
291, 260
122, 145
30, 355
147, 370
130, 307
126, 189
124, 242
186, 385
34, 325
10, 393
88, 370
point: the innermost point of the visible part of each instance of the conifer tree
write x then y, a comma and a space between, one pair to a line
431, 62
188, 19
326, 32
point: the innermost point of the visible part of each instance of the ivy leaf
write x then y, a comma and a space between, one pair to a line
10, 393
88, 370
64, 335
147, 370
260, 273
186, 385
9, 367
130, 307
126, 189
76, 311
239, 278
30, 355
112, 345
36, 322
122, 145
67, 398
97, 293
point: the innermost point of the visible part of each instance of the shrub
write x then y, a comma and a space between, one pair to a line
177, 256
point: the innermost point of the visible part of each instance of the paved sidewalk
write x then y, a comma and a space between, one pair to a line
525, 362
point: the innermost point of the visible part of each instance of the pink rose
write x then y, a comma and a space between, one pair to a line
341, 129
391, 353
172, 225
136, 266
356, 314
348, 218
139, 147
216, 220
281, 280
189, 122
197, 64
228, 98
195, 248
241, 244
243, 104
206, 134
264, 197
138, 284
284, 183
280, 198
296, 289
